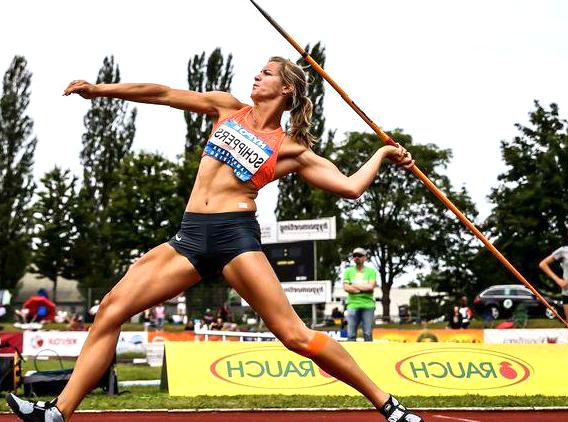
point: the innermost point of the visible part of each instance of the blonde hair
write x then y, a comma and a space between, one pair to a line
299, 104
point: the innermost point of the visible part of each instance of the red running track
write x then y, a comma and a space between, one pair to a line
314, 416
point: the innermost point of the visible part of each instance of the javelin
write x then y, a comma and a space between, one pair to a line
415, 170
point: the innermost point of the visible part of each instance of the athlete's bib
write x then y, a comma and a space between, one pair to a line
233, 145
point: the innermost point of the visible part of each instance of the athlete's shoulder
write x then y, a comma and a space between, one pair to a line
291, 148
225, 100
227, 105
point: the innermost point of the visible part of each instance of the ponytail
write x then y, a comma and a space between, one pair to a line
299, 104
301, 121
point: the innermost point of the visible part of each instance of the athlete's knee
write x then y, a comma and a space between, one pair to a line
305, 342
110, 311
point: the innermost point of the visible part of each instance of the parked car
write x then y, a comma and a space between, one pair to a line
500, 301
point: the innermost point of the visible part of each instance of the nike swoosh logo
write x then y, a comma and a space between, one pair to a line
178, 237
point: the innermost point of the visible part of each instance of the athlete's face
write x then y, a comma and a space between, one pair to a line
268, 84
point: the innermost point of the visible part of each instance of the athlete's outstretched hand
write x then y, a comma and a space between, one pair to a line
399, 155
83, 88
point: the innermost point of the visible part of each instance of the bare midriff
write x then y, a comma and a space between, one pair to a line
216, 189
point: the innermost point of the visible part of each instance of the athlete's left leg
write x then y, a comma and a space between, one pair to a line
251, 275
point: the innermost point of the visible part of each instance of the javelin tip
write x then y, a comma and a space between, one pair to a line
255, 4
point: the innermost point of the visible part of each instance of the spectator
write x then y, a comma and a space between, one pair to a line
560, 255
76, 323
359, 282
43, 293
465, 312
94, 309
224, 312
207, 319
148, 319
160, 314
62, 317
218, 324
455, 319
181, 309
22, 315
40, 315
337, 315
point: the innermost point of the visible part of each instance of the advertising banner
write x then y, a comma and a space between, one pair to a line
131, 342
305, 292
49, 343
298, 230
527, 336
162, 336
387, 335
421, 369
70, 343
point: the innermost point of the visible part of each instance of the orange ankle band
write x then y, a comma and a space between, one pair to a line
316, 344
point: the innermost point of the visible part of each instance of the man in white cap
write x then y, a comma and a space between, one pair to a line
359, 282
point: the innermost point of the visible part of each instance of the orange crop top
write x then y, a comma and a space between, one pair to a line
250, 153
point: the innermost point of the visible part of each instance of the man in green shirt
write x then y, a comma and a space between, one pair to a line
359, 282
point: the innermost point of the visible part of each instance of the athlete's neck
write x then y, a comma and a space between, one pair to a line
265, 116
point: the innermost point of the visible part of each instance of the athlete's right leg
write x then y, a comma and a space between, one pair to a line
251, 275
159, 275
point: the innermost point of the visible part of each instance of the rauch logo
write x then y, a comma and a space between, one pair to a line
464, 369
270, 368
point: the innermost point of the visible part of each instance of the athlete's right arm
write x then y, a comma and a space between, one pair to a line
212, 103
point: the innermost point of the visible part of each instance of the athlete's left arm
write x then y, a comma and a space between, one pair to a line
323, 174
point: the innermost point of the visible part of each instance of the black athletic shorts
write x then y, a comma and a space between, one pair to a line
210, 241
565, 299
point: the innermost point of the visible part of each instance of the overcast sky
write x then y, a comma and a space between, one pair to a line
456, 73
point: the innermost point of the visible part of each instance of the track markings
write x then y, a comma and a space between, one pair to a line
455, 419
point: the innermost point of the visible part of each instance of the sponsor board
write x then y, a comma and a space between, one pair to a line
132, 342
62, 343
162, 336
298, 230
70, 343
424, 369
527, 336
305, 292
427, 336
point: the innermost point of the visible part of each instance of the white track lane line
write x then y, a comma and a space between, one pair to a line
455, 419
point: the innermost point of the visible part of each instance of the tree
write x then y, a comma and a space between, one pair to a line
215, 74
454, 270
531, 201
143, 208
212, 74
296, 199
397, 219
54, 226
17, 147
110, 129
